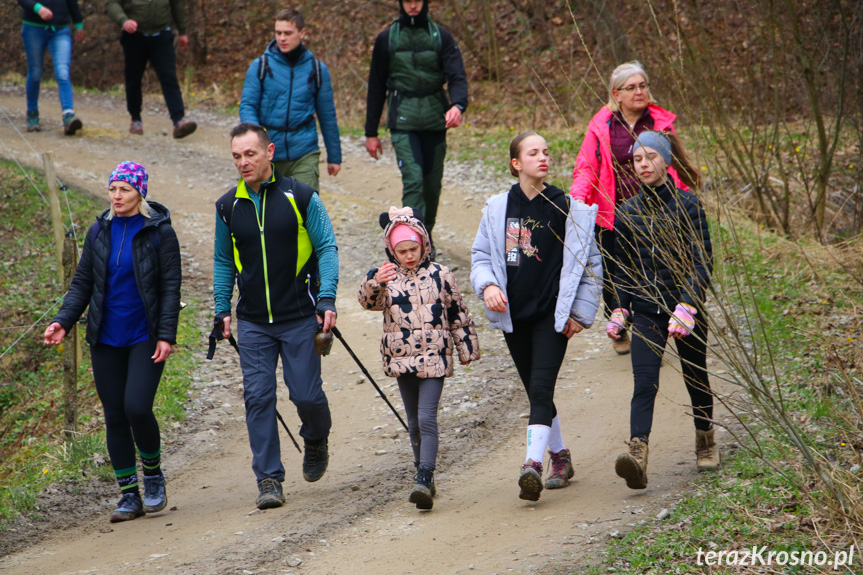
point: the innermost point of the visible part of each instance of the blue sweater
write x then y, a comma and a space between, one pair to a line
125, 319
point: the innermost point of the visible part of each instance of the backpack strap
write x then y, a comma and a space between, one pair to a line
393, 39
264, 69
317, 77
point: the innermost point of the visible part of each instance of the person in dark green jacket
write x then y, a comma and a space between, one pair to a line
412, 60
147, 36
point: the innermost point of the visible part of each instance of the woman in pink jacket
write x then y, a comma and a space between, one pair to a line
604, 174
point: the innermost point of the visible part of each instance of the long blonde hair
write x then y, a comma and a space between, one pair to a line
620, 75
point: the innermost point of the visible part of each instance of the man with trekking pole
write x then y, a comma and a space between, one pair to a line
274, 239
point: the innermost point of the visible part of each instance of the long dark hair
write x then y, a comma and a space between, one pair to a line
681, 163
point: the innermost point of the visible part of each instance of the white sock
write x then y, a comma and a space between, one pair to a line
537, 439
555, 439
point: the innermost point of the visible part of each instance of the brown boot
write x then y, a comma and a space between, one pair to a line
561, 469
623, 345
632, 466
706, 450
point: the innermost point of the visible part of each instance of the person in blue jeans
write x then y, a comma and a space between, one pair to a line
46, 25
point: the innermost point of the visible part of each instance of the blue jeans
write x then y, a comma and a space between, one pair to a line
59, 43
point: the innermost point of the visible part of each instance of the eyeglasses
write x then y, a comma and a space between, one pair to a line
643, 87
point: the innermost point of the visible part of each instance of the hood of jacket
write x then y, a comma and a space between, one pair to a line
418, 227
419, 20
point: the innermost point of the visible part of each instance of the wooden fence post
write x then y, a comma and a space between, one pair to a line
56, 214
70, 348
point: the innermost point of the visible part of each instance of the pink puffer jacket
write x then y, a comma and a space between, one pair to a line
593, 176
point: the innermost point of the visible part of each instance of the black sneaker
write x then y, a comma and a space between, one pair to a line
423, 491
315, 460
270, 493
155, 498
129, 507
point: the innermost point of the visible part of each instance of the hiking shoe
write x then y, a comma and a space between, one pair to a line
632, 465
433, 489
530, 480
561, 470
423, 491
623, 345
71, 124
33, 122
129, 507
184, 128
155, 498
315, 460
269, 493
706, 451
136, 127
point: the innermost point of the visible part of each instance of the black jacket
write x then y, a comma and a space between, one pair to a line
663, 251
157, 273
65, 12
451, 61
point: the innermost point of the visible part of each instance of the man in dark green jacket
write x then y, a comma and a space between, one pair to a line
411, 62
147, 36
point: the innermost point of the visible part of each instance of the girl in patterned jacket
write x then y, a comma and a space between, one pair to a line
425, 321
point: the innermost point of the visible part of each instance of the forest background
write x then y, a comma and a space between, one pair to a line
769, 96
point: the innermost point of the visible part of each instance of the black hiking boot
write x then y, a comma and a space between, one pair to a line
315, 460
423, 492
269, 493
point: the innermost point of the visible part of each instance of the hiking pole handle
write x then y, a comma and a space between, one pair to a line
338, 334
291, 435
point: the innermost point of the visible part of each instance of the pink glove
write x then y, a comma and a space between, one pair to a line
682, 322
617, 321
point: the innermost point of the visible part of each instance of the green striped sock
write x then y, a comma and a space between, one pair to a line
152, 462
127, 479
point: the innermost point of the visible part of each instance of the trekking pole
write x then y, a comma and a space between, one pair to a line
233, 343
338, 334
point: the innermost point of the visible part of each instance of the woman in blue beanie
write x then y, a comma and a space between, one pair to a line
664, 261
129, 275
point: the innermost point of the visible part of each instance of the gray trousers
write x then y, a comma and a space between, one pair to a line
421, 397
260, 348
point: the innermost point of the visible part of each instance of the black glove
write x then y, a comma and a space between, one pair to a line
325, 304
217, 334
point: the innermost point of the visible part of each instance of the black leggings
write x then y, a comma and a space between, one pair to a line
127, 380
538, 352
650, 331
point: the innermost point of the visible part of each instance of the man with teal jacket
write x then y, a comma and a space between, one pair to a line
411, 62
285, 89
275, 240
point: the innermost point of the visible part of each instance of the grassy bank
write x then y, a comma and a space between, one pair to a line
33, 449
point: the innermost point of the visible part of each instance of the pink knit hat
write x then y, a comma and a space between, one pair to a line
403, 233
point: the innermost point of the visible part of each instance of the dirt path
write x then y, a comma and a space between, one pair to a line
356, 520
